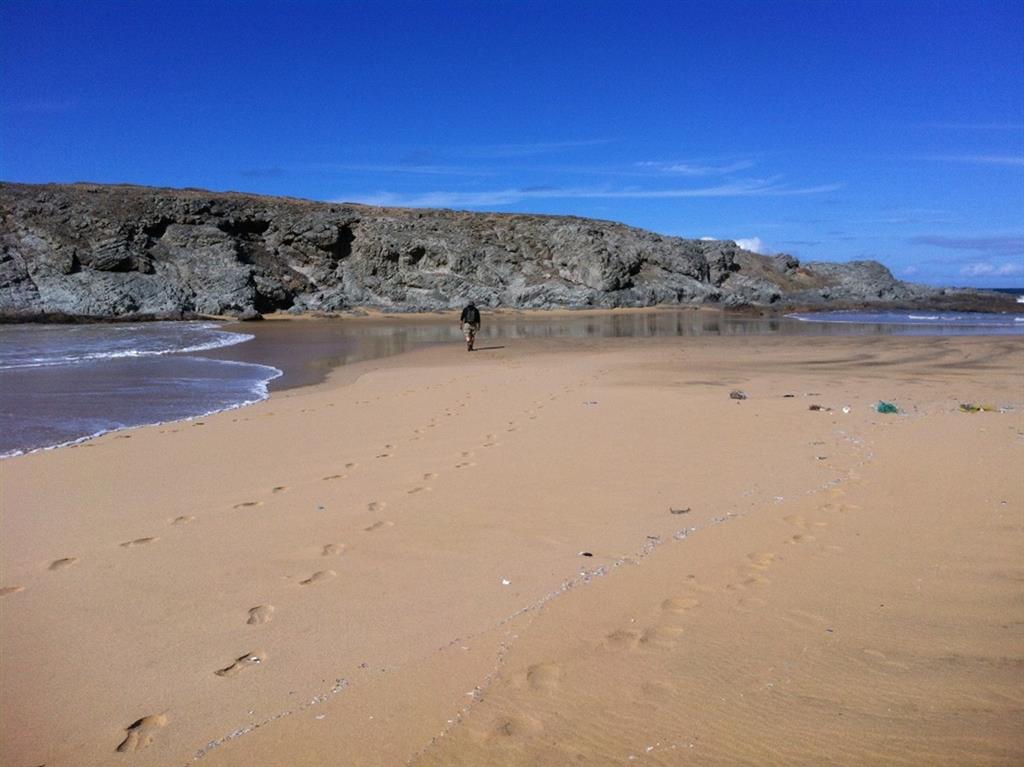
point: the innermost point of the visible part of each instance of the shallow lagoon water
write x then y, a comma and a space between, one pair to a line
63, 383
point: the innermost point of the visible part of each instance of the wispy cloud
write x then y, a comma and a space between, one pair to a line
273, 172
1016, 161
39, 106
991, 269
499, 197
696, 168
959, 126
1009, 246
397, 168
497, 151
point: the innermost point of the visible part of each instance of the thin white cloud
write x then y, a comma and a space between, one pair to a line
40, 106
753, 244
499, 197
993, 126
1014, 161
697, 169
990, 269
494, 151
400, 168
1000, 245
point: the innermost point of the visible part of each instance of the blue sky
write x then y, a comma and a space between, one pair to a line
830, 130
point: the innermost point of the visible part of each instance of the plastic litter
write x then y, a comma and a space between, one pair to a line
886, 407
737, 394
820, 407
970, 407
679, 511
846, 409
506, 582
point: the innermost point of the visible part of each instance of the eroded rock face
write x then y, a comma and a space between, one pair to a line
107, 252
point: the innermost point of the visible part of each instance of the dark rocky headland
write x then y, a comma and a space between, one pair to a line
96, 252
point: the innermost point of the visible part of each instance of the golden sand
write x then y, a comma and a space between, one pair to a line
556, 552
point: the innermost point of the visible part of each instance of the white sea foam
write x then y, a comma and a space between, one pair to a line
129, 347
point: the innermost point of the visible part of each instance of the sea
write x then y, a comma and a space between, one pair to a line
63, 384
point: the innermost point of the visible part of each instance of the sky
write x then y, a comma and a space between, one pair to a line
829, 130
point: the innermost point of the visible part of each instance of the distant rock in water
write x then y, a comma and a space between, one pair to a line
86, 251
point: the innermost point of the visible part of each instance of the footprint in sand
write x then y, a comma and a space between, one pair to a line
430, 475
351, 465
260, 614
679, 604
183, 520
661, 636
10, 590
378, 525
544, 676
334, 476
279, 489
801, 538
464, 464
60, 564
140, 733
762, 560
319, 575
241, 663
623, 639
518, 726
332, 549
755, 579
247, 504
376, 505
883, 659
415, 490
802, 523
137, 542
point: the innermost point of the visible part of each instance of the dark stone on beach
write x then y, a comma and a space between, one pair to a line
95, 252
737, 394
248, 315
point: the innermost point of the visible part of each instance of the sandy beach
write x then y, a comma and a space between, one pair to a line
547, 552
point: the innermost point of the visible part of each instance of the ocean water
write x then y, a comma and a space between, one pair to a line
64, 383
921, 322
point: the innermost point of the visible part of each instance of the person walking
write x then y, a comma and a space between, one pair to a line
470, 321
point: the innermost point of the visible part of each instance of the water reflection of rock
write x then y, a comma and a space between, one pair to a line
310, 349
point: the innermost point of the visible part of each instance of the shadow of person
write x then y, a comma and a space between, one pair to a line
486, 348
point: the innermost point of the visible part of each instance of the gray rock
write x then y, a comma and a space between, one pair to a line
102, 252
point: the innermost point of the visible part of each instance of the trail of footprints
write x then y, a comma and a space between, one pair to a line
543, 677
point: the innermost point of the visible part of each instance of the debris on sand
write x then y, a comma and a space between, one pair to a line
886, 407
737, 394
678, 511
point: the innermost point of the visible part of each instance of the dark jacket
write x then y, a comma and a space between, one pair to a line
471, 315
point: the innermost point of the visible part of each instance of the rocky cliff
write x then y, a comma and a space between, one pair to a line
120, 252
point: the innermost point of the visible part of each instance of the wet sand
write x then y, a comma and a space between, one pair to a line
392, 567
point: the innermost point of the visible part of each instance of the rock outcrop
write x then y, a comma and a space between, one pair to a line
118, 252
